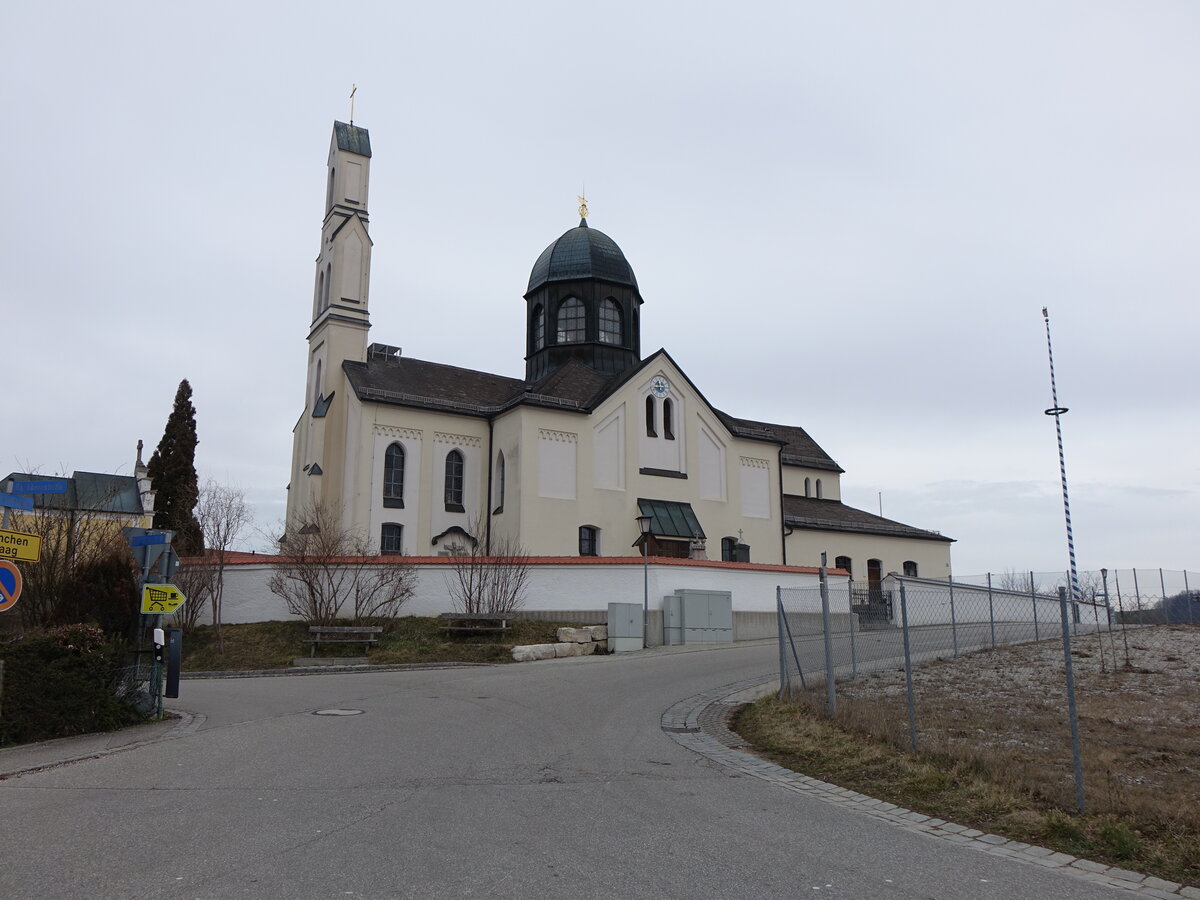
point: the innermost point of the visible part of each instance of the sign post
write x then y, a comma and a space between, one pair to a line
156, 558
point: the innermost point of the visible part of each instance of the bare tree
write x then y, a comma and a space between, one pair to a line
223, 516
326, 566
195, 578
489, 583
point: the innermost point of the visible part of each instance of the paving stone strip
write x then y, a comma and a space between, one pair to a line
700, 723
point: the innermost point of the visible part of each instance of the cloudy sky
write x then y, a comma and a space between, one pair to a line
846, 216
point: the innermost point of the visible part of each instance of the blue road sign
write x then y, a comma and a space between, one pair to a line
16, 501
145, 540
39, 487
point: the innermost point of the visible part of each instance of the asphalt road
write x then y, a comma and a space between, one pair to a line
551, 778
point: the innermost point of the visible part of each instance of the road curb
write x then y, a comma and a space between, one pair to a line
699, 723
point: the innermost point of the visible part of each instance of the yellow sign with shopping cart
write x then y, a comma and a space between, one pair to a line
162, 599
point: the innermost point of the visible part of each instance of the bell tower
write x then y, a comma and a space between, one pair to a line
340, 320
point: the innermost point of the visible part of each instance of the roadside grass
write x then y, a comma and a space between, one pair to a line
408, 639
995, 762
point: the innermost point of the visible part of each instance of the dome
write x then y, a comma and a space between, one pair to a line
582, 252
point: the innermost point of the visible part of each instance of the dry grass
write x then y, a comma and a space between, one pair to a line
995, 747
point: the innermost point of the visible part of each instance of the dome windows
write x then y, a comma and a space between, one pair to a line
539, 327
610, 322
572, 322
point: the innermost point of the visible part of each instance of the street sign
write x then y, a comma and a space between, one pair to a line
39, 487
16, 501
18, 545
160, 599
147, 540
10, 585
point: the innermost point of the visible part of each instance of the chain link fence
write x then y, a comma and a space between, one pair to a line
1008, 670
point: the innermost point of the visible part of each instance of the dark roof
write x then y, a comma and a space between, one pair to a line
670, 518
90, 491
574, 381
429, 385
833, 515
352, 139
582, 252
798, 448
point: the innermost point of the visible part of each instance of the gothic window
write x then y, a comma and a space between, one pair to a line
844, 562
393, 477
389, 539
499, 486
728, 549
668, 419
820, 495
454, 482
320, 290
328, 284
610, 322
651, 431
589, 540
317, 385
572, 322
910, 568
329, 194
539, 327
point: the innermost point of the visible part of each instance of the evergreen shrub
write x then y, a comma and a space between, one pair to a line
70, 680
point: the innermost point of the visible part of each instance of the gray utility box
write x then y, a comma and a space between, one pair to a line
625, 627
695, 617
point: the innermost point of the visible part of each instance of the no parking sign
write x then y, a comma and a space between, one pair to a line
10, 585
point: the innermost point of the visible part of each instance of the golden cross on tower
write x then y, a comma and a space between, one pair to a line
582, 205
353, 91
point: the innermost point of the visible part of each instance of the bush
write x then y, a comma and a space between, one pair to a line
62, 683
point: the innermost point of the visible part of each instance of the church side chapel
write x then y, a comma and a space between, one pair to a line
428, 458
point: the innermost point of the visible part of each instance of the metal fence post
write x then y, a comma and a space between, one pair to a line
830, 688
784, 680
1033, 596
991, 610
908, 679
953, 620
1187, 592
853, 649
1137, 596
1072, 713
1162, 584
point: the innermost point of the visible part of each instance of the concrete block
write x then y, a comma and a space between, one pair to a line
599, 632
574, 636
570, 648
530, 652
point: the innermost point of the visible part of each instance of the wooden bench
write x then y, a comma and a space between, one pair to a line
473, 623
344, 634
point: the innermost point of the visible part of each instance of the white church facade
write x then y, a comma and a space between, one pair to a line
424, 457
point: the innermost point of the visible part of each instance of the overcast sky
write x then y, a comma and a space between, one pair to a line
846, 216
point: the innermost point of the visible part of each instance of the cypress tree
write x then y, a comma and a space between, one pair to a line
172, 471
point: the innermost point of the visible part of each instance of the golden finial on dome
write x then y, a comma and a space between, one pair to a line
583, 210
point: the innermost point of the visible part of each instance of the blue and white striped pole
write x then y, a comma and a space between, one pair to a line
1058, 411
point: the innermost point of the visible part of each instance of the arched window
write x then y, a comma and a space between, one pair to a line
454, 482
393, 477
844, 562
499, 483
807, 486
329, 195
539, 327
320, 290
317, 385
651, 431
910, 568
589, 540
728, 549
610, 322
820, 494
668, 419
328, 283
389, 539
572, 322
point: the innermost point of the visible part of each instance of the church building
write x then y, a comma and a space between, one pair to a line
427, 458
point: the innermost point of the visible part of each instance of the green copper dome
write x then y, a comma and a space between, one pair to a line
581, 253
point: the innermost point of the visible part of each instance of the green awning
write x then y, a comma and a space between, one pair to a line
671, 519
